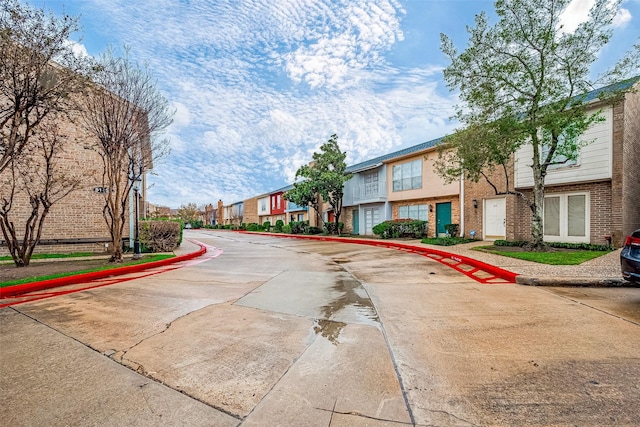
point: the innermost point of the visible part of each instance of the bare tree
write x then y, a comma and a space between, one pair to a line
39, 175
38, 72
126, 113
38, 76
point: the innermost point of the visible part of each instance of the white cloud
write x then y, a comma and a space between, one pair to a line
623, 17
576, 13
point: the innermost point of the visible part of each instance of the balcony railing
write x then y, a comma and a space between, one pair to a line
372, 191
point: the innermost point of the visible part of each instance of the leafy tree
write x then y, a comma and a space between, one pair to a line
325, 177
189, 212
38, 78
523, 81
126, 113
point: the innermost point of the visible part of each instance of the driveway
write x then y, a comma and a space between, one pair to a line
281, 331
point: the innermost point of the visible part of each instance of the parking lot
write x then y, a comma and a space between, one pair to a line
286, 332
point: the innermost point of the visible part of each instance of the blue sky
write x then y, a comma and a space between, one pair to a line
259, 85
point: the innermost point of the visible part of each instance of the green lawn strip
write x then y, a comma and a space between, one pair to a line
144, 260
49, 256
551, 258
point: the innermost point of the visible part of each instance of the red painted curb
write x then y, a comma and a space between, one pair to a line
496, 271
11, 291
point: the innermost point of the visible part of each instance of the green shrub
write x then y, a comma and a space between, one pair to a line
332, 228
254, 227
267, 226
286, 229
196, 223
447, 241
159, 236
298, 227
401, 228
278, 226
452, 229
312, 230
559, 245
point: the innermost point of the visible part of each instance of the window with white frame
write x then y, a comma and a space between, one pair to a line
566, 217
371, 184
407, 176
278, 201
263, 205
559, 160
413, 212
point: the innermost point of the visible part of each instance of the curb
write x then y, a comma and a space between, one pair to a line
496, 271
584, 282
11, 291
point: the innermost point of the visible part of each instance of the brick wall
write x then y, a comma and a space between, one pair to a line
251, 211
631, 165
601, 217
481, 190
431, 214
79, 215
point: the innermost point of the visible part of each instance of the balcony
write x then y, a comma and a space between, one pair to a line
371, 192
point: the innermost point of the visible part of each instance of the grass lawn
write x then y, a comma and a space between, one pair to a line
51, 256
71, 268
565, 257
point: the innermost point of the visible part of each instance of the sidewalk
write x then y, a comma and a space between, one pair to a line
601, 271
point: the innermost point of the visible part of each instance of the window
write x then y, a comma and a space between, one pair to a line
407, 176
566, 217
278, 201
263, 205
413, 212
371, 184
559, 160
273, 202
300, 217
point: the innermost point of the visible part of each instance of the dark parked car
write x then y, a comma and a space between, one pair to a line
630, 257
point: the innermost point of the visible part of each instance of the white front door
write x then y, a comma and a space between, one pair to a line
371, 219
495, 219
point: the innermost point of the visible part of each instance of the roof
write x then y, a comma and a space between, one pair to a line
619, 86
400, 153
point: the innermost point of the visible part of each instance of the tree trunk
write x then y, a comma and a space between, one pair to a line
537, 225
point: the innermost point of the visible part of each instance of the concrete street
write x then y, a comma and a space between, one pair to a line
279, 331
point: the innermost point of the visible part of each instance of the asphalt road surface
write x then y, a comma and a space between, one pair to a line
277, 331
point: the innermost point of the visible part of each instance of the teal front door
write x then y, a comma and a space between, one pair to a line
443, 217
355, 221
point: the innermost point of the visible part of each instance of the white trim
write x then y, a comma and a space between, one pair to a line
564, 219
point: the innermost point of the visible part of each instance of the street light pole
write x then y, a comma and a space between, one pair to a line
136, 242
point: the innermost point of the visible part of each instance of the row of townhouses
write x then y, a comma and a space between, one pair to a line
594, 199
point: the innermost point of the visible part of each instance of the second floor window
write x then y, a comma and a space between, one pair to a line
263, 205
407, 176
371, 184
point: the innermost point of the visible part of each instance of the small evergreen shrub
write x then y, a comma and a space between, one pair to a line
254, 227
286, 229
278, 226
298, 227
312, 230
401, 228
452, 229
266, 225
196, 223
559, 245
332, 228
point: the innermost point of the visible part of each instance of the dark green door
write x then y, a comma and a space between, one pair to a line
355, 221
443, 217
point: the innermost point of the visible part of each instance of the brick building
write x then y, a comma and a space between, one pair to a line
591, 200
